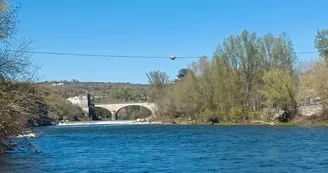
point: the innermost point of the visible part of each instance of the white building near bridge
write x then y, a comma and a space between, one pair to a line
81, 101
58, 84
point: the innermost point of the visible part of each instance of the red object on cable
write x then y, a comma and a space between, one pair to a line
172, 57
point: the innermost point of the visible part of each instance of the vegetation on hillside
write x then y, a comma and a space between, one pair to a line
103, 92
59, 108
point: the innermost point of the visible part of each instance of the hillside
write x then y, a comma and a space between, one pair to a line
103, 92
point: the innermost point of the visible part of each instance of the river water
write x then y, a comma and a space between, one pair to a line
173, 148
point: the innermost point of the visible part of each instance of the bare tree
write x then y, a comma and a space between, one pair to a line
19, 99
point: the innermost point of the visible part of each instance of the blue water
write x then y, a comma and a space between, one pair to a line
174, 148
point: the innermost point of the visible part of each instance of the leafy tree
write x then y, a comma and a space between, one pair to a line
182, 73
239, 55
124, 94
277, 52
226, 88
321, 43
279, 89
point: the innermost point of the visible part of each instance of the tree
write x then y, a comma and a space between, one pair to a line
277, 52
280, 92
239, 54
20, 101
321, 43
182, 73
125, 94
158, 82
226, 88
157, 79
314, 81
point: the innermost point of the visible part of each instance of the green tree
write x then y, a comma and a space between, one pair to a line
277, 52
125, 94
182, 73
226, 88
280, 92
239, 55
321, 43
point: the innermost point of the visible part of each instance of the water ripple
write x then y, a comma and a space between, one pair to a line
174, 148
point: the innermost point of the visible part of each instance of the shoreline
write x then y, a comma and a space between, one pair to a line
122, 122
135, 122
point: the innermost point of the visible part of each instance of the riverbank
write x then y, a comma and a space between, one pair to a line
297, 121
249, 123
123, 122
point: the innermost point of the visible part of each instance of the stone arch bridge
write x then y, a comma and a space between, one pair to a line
114, 108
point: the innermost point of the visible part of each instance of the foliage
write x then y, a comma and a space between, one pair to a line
321, 43
314, 83
226, 88
102, 91
279, 89
158, 82
157, 79
59, 108
125, 94
19, 103
182, 73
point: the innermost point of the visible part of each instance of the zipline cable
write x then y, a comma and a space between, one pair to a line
122, 56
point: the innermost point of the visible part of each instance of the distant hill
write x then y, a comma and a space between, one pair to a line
102, 91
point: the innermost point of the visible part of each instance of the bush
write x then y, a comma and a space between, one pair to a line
209, 116
237, 114
19, 103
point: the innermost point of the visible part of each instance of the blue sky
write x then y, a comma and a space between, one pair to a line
154, 28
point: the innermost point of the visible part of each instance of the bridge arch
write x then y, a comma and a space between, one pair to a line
133, 112
103, 113
114, 108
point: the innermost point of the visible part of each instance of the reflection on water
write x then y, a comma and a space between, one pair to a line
173, 148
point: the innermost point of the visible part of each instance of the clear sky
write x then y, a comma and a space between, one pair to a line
154, 28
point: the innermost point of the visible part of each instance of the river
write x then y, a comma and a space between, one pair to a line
173, 148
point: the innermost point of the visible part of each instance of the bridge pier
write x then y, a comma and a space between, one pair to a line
114, 116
